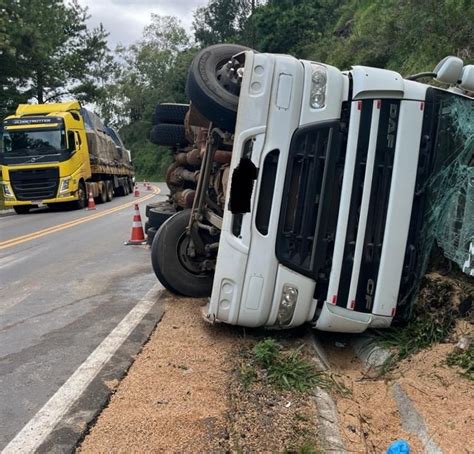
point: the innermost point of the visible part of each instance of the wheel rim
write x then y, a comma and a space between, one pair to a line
190, 265
227, 78
82, 198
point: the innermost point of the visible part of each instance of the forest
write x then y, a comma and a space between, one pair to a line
48, 53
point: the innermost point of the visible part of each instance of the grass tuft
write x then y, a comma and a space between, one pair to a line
306, 448
433, 320
285, 369
464, 359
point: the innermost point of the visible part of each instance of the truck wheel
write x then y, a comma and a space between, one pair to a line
110, 190
170, 113
210, 88
22, 209
102, 194
157, 216
175, 269
150, 235
82, 197
168, 135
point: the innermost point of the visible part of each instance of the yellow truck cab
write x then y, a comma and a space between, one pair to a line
60, 153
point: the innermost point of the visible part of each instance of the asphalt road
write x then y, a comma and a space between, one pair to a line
66, 281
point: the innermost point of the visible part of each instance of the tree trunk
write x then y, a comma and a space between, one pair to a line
39, 88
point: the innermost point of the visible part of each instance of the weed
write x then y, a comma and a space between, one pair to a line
287, 369
433, 319
247, 374
464, 359
308, 447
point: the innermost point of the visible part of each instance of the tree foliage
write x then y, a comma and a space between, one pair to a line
47, 52
152, 70
222, 21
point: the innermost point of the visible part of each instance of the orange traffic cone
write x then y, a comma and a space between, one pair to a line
137, 191
137, 236
91, 202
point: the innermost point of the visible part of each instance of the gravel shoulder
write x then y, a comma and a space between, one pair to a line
185, 394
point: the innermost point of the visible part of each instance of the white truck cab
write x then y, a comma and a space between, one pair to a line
327, 237
331, 179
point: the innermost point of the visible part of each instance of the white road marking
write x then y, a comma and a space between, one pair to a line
35, 432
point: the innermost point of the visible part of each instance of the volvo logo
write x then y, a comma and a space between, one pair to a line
34, 159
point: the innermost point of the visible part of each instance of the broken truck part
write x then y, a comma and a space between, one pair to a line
337, 184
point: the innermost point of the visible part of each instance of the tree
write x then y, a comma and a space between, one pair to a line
222, 21
150, 71
50, 52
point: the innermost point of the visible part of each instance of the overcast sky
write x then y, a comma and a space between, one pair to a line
124, 20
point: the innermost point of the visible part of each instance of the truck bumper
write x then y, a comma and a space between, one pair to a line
11, 203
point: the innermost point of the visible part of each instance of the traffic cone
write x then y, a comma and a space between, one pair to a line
91, 202
137, 191
137, 236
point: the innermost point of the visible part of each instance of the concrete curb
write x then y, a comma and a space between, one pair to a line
327, 411
373, 357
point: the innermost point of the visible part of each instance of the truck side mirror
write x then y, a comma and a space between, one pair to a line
71, 140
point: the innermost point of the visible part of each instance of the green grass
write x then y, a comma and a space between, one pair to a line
464, 359
309, 447
433, 320
285, 369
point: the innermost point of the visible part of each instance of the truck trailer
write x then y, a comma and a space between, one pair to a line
59, 154
338, 185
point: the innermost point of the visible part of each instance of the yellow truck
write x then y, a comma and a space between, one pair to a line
59, 154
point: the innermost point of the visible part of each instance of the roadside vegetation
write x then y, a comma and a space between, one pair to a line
271, 395
442, 304
126, 83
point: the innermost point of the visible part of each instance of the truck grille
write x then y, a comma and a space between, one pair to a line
308, 216
35, 184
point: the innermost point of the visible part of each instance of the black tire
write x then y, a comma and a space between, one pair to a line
171, 264
110, 190
164, 206
157, 216
213, 97
22, 209
168, 135
170, 113
82, 200
150, 235
102, 198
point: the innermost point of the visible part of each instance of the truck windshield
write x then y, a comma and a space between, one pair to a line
32, 142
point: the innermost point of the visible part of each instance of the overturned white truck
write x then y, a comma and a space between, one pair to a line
329, 208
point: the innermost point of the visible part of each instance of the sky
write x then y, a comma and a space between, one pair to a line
124, 20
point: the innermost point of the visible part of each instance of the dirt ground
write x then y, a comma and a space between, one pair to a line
369, 417
183, 394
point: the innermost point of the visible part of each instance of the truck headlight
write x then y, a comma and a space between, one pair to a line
7, 192
289, 297
65, 184
317, 98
